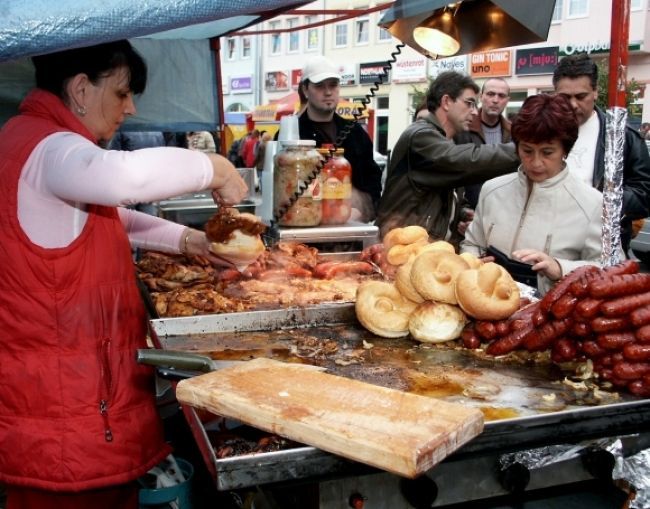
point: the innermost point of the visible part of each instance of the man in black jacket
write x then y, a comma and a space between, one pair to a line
319, 89
576, 77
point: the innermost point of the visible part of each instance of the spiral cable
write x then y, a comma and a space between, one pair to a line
304, 185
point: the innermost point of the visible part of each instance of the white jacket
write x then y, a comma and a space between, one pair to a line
561, 217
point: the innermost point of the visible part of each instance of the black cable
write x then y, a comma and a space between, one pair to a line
304, 185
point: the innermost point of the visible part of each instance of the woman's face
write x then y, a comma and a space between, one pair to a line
541, 161
108, 103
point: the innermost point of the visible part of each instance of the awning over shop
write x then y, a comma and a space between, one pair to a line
290, 104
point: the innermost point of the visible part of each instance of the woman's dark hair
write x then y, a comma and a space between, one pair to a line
544, 118
55, 69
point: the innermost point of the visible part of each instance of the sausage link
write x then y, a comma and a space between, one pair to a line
640, 316
562, 286
630, 370
642, 334
625, 267
509, 342
564, 350
592, 349
539, 318
636, 352
639, 388
588, 307
606, 324
502, 327
546, 334
563, 307
620, 284
615, 340
623, 306
608, 374
470, 338
486, 329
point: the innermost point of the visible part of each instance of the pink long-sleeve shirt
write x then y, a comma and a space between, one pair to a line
65, 172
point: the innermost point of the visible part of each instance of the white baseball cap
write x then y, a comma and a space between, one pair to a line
319, 69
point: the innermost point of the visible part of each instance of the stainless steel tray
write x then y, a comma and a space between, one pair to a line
519, 384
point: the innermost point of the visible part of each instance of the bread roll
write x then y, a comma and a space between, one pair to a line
403, 282
434, 275
241, 249
434, 322
406, 235
437, 245
400, 253
382, 309
487, 293
472, 261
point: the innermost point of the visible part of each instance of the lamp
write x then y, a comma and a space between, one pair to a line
474, 25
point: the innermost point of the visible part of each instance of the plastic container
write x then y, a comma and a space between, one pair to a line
295, 164
337, 187
160, 498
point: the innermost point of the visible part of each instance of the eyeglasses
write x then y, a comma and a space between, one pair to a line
471, 103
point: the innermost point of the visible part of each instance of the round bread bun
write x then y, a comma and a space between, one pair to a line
437, 245
435, 322
487, 293
434, 275
472, 261
383, 310
403, 282
406, 235
400, 253
241, 250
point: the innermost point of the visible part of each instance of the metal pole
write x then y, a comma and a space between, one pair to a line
216, 47
615, 132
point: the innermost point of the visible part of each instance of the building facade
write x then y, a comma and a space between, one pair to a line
257, 69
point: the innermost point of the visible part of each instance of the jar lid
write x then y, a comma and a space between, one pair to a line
299, 143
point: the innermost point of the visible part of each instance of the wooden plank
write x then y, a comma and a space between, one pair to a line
392, 430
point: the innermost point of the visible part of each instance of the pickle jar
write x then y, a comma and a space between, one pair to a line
294, 184
336, 177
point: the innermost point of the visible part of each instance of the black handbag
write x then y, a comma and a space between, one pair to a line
519, 271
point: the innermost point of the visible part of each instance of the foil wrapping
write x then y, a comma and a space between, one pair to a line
631, 471
613, 185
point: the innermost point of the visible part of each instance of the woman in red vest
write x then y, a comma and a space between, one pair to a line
78, 422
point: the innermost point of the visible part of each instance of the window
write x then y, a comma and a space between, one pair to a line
340, 35
557, 11
635, 5
231, 48
245, 47
294, 37
362, 29
276, 39
313, 35
578, 8
383, 35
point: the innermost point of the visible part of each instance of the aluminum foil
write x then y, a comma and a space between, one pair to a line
633, 470
613, 185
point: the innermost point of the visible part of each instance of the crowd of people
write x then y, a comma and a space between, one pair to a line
522, 192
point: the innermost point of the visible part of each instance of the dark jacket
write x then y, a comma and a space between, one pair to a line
366, 174
425, 172
475, 135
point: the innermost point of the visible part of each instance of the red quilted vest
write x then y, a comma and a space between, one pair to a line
76, 410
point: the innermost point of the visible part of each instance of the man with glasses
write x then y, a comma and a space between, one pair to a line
576, 77
490, 126
428, 170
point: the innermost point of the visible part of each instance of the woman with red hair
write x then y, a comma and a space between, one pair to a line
542, 216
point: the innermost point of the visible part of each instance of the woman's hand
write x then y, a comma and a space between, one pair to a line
541, 262
228, 188
195, 243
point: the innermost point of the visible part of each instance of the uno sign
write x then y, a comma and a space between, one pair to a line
490, 63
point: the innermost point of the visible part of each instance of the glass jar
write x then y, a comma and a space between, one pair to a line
336, 176
294, 165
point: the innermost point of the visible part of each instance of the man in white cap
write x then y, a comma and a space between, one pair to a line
319, 92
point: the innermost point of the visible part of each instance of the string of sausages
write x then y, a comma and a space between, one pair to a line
597, 314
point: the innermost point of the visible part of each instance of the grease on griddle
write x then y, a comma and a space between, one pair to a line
496, 414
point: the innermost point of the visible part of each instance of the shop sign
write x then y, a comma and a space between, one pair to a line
369, 73
592, 47
536, 60
409, 71
488, 64
276, 80
296, 77
348, 74
458, 64
241, 85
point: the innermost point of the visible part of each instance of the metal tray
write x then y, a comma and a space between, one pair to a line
222, 335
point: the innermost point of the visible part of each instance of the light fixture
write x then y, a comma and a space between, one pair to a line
475, 25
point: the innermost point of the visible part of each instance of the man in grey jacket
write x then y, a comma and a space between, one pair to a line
428, 170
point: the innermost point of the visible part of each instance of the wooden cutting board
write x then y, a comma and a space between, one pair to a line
392, 430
